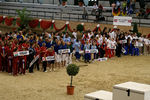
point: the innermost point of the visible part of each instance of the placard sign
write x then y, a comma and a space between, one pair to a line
21, 53
87, 51
102, 59
123, 50
91, 51
81, 52
140, 44
124, 41
64, 51
34, 60
113, 47
122, 20
50, 58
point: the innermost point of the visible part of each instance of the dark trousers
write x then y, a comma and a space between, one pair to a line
37, 65
4, 64
102, 52
9, 67
118, 50
44, 65
31, 67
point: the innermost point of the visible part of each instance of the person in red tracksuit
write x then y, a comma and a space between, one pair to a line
50, 52
10, 57
25, 47
43, 51
0, 56
37, 52
103, 48
108, 51
3, 55
22, 59
15, 62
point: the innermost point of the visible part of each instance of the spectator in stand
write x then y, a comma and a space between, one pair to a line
128, 3
60, 2
133, 4
142, 4
95, 7
85, 14
147, 11
99, 13
124, 8
111, 2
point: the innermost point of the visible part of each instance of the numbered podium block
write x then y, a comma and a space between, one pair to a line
131, 91
99, 95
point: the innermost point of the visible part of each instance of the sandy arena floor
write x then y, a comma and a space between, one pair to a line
95, 76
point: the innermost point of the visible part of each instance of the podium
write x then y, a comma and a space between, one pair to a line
131, 91
99, 95
123, 91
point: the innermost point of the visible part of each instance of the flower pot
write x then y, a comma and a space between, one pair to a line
70, 90
80, 4
63, 3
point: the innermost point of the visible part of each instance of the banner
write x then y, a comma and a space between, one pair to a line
122, 20
113, 47
102, 59
123, 50
91, 51
64, 51
21, 53
140, 44
34, 60
123, 41
48, 58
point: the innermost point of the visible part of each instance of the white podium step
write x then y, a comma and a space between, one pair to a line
131, 91
99, 95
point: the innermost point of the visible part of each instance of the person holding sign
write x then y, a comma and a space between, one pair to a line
37, 52
136, 47
113, 47
77, 49
15, 62
31, 56
93, 46
63, 46
57, 55
103, 48
87, 56
69, 55
108, 50
43, 51
50, 53
22, 59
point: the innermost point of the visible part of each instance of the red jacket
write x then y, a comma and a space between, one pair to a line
48, 53
37, 50
43, 51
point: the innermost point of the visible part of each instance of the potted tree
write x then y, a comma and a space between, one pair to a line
64, 2
72, 70
80, 2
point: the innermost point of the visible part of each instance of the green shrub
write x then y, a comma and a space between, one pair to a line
80, 27
72, 70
